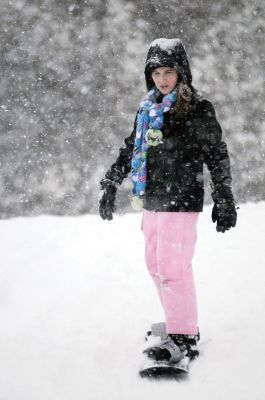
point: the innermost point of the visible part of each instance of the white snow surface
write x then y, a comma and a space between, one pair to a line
76, 300
164, 43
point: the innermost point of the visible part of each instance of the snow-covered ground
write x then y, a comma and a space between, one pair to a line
76, 300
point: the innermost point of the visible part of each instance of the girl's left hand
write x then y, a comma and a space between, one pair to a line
225, 215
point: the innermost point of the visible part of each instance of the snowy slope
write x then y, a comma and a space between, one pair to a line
76, 300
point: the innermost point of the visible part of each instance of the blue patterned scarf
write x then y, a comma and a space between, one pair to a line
149, 121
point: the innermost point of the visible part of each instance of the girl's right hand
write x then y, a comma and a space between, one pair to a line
107, 201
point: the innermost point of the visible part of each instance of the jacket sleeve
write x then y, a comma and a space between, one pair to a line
216, 156
122, 166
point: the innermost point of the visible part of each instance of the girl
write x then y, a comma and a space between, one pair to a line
175, 132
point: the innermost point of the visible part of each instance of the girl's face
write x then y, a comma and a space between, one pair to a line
165, 79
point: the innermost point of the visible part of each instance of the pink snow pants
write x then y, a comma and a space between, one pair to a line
170, 239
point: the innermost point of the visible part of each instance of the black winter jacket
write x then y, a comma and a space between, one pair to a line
175, 167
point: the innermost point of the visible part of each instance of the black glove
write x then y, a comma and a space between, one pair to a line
107, 201
225, 214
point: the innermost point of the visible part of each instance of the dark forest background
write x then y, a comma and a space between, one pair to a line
72, 78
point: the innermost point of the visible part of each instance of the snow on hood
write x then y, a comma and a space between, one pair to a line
165, 44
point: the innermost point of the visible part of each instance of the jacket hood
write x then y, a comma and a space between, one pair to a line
167, 53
